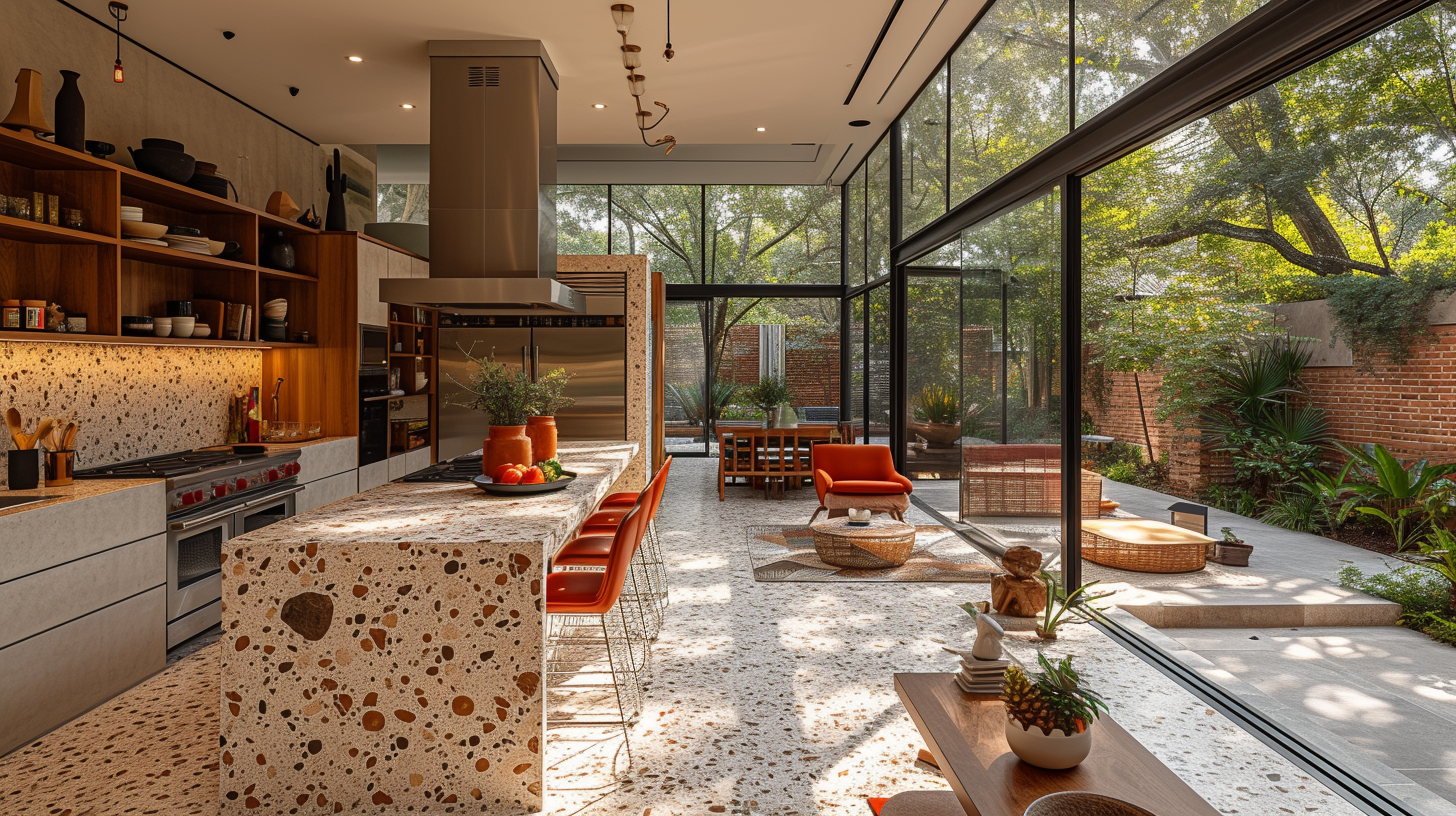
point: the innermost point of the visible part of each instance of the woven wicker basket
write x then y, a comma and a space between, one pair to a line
1162, 557
882, 545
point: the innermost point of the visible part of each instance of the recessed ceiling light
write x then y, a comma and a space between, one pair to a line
760, 130
860, 123
599, 105
407, 106
356, 59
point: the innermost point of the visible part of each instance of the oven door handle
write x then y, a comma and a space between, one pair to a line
188, 524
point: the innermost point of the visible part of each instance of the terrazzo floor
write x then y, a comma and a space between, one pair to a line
768, 698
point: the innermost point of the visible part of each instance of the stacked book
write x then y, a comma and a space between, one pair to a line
981, 676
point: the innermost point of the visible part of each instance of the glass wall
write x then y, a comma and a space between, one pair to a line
690, 405
877, 211
759, 234
663, 222
581, 219
854, 229
1123, 43
923, 149
1008, 86
1254, 321
877, 366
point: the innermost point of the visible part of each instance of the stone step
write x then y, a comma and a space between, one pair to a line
1216, 607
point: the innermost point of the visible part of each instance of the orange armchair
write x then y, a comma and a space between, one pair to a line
865, 472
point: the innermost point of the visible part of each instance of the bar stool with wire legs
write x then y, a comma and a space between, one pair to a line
654, 554
614, 507
584, 614
647, 586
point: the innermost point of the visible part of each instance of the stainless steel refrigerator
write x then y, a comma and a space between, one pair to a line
595, 357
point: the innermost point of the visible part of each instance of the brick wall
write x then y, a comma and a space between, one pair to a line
1409, 409
811, 361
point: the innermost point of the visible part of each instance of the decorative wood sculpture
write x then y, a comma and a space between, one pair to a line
281, 204
1019, 593
28, 112
335, 217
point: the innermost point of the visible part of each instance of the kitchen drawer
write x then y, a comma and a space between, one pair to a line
418, 459
51, 597
373, 475
48, 536
327, 459
59, 674
318, 493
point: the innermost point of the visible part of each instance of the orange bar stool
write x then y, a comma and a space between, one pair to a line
584, 614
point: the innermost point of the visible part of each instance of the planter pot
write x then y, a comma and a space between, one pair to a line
506, 445
937, 434
1052, 635
1056, 752
782, 416
541, 430
24, 469
1231, 554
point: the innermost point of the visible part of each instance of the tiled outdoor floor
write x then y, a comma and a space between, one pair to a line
770, 698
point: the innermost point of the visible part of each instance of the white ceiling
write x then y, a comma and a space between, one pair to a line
784, 65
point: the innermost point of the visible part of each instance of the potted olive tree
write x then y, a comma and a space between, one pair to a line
507, 396
1049, 714
772, 395
549, 397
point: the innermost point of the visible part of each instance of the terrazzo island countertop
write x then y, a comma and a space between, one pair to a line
385, 653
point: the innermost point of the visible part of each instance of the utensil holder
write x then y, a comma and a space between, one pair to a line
24, 469
60, 467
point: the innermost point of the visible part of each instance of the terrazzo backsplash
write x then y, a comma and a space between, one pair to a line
129, 401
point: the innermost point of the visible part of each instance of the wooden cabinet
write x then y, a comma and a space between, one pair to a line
93, 270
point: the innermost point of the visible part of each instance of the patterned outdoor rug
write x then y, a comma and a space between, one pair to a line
786, 553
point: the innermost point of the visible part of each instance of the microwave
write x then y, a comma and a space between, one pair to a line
373, 346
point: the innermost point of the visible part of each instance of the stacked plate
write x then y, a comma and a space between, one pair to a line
131, 213
274, 325
189, 243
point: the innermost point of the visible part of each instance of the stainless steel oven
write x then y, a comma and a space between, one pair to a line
194, 555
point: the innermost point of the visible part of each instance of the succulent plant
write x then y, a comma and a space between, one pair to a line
1052, 699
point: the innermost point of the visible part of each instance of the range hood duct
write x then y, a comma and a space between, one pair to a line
492, 183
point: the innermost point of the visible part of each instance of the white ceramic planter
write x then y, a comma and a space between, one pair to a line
1056, 752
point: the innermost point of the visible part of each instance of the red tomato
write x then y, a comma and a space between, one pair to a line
533, 476
495, 475
511, 477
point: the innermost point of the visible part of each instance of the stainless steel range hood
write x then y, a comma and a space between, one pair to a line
492, 183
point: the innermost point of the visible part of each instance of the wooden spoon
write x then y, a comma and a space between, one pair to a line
17, 429
40, 432
69, 440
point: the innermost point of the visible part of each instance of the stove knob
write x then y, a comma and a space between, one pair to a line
198, 495
273, 475
187, 499
294, 468
219, 490
241, 484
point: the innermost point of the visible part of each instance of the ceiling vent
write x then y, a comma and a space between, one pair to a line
484, 77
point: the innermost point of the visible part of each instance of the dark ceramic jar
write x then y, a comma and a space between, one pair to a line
278, 250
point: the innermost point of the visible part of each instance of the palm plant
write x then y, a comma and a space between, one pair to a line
1060, 603
1395, 493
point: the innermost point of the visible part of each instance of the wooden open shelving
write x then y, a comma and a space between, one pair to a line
412, 332
97, 272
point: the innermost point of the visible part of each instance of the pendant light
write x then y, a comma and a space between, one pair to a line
622, 15
118, 11
667, 53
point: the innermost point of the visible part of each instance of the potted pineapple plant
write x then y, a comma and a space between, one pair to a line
1049, 714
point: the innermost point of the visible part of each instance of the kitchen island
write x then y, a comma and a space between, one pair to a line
386, 652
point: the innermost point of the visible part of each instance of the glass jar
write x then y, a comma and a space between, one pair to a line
10, 315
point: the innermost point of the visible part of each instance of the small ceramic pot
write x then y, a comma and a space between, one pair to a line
24, 469
542, 432
1056, 752
506, 445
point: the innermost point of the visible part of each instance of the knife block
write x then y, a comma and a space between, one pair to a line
24, 469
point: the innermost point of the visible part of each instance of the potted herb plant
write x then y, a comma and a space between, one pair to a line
507, 396
1231, 550
772, 395
549, 397
1049, 714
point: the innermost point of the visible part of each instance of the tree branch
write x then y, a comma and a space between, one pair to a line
1318, 264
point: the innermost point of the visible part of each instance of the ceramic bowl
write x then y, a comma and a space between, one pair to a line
183, 326
1081, 803
141, 229
188, 232
172, 165
136, 325
161, 329
201, 330
216, 247
163, 144
206, 168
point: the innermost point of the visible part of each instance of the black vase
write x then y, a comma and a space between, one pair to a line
335, 219
70, 114
278, 250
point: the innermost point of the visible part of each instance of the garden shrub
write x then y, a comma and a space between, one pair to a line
1420, 592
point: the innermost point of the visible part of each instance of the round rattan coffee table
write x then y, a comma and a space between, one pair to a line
884, 543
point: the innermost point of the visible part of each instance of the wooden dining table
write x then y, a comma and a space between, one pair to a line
967, 735
772, 458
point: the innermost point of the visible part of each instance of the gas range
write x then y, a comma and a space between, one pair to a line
201, 477
460, 469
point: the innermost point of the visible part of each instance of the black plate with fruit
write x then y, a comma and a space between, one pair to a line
485, 483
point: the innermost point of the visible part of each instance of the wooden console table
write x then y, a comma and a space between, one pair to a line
967, 735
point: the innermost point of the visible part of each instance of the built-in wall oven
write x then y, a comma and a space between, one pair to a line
194, 556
